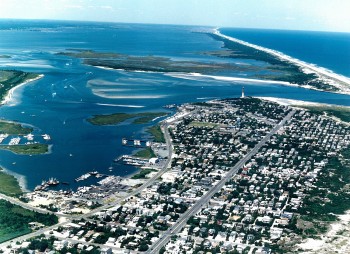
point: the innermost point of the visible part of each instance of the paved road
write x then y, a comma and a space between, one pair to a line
205, 199
23, 204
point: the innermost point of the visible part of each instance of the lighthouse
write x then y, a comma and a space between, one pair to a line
242, 92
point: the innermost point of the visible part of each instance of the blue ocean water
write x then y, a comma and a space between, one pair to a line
70, 91
325, 49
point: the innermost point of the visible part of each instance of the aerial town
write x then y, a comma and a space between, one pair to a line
236, 175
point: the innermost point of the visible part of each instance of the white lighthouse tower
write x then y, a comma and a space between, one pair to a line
242, 92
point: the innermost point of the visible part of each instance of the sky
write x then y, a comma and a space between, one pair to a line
316, 15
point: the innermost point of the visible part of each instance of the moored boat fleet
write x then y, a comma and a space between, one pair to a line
17, 140
130, 160
53, 181
46, 184
87, 175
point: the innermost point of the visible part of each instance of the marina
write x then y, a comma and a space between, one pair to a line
131, 160
6, 139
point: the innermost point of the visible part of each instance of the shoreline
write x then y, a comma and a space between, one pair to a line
292, 102
9, 94
323, 74
193, 75
21, 179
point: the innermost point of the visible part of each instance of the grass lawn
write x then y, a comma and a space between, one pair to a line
203, 124
9, 184
143, 173
145, 153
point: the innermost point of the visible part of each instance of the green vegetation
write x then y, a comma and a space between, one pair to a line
14, 220
331, 197
31, 149
81, 53
140, 118
142, 174
203, 124
9, 184
147, 63
272, 69
157, 133
343, 113
146, 153
10, 79
14, 128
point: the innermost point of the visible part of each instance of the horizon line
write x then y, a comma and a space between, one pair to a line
168, 24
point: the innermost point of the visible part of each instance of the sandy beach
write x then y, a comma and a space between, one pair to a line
196, 76
290, 102
9, 94
334, 79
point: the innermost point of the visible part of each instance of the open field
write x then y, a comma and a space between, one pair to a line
142, 174
145, 153
342, 113
203, 124
9, 184
157, 133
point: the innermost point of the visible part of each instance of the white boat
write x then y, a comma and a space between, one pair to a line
29, 137
46, 137
83, 177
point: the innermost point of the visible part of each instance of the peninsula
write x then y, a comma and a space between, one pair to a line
303, 74
9, 80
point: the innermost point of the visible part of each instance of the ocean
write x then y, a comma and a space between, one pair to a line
70, 91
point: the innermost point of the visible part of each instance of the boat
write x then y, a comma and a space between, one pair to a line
29, 137
65, 183
53, 182
93, 173
46, 137
137, 142
124, 141
83, 177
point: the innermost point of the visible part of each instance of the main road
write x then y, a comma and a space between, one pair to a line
176, 228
